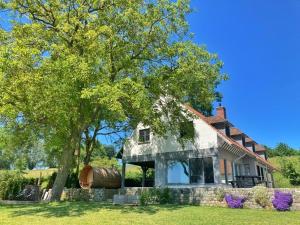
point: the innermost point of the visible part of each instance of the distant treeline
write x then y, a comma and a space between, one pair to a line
282, 149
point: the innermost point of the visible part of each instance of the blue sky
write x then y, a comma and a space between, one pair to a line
259, 43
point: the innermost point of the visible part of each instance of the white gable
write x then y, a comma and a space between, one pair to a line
205, 137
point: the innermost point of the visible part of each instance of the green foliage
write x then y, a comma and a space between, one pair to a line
280, 177
5, 160
290, 172
72, 181
145, 198
76, 65
156, 196
104, 162
261, 196
21, 150
165, 196
220, 194
107, 64
187, 130
104, 151
282, 149
12, 183
134, 176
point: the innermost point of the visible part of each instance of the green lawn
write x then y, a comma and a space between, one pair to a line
95, 213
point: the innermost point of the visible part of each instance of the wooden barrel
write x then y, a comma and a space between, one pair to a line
99, 178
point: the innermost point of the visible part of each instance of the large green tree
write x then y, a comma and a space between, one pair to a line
71, 66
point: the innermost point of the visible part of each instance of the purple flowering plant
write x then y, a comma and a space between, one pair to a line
282, 201
235, 202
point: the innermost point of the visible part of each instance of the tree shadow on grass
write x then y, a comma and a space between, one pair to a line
75, 209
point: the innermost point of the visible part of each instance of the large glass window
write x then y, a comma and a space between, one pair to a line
178, 172
229, 170
196, 170
247, 169
226, 171
222, 168
193, 171
262, 173
208, 170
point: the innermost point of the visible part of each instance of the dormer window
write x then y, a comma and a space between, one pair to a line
144, 135
243, 140
253, 147
227, 131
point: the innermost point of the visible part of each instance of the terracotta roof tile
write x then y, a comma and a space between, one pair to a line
215, 119
230, 140
235, 131
247, 139
260, 148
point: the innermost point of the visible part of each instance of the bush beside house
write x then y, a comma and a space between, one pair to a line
261, 196
12, 183
156, 196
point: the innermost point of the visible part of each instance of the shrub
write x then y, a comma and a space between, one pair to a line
261, 196
12, 183
220, 194
156, 196
282, 201
133, 182
50, 180
289, 171
234, 201
72, 181
145, 198
164, 196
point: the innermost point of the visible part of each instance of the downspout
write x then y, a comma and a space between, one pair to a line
234, 174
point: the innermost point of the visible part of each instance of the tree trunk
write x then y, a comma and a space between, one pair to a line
87, 158
62, 174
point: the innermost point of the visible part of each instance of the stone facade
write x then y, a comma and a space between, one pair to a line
196, 196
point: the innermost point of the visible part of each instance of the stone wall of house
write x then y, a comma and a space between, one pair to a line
196, 196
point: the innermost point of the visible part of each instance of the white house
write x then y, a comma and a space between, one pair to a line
220, 155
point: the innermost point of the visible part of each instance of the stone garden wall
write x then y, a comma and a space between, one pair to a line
211, 197
97, 195
196, 196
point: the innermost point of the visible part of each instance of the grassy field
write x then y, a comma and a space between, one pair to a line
38, 173
95, 213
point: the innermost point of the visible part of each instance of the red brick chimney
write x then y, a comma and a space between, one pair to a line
221, 112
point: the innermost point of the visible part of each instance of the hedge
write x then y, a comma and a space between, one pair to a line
12, 183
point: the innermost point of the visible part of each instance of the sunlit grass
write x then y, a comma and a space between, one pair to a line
97, 213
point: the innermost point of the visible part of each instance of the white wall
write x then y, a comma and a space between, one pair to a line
205, 137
